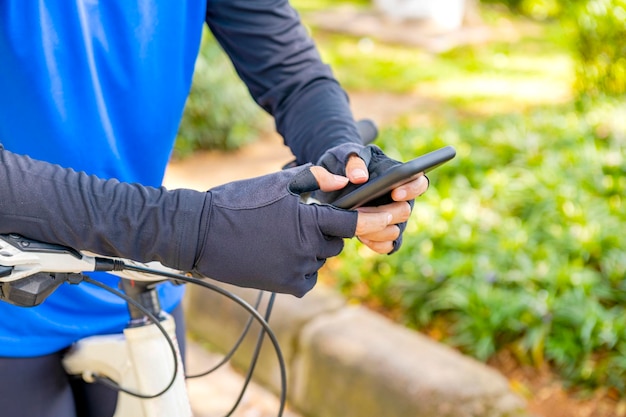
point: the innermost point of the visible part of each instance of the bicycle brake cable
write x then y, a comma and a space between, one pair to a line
255, 356
246, 306
236, 345
110, 383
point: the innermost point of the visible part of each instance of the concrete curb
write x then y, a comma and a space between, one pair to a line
345, 361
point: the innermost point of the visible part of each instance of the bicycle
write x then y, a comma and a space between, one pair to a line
137, 362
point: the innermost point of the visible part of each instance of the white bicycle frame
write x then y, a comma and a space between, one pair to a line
144, 360
139, 360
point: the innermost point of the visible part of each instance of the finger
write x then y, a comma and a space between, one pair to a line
378, 247
328, 181
356, 170
389, 233
372, 222
411, 190
400, 211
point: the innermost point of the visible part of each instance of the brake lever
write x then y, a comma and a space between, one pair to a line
21, 257
30, 270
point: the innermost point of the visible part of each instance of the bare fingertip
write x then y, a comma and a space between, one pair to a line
358, 174
400, 194
340, 179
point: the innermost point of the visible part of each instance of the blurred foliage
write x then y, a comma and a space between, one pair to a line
601, 47
311, 5
219, 113
519, 242
499, 77
538, 9
598, 42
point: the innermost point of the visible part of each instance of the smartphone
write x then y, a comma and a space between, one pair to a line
395, 176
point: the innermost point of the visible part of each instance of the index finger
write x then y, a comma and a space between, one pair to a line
411, 189
372, 222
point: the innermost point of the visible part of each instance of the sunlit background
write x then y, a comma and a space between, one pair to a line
519, 246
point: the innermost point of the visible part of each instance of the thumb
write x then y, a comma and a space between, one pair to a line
356, 170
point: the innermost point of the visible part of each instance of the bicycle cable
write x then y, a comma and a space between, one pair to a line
255, 356
245, 305
112, 384
228, 356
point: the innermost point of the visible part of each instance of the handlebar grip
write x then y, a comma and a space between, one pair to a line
367, 130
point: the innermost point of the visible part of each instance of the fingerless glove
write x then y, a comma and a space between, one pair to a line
254, 233
335, 159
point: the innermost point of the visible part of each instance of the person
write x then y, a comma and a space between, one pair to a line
91, 97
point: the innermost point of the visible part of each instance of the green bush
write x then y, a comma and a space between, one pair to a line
598, 42
601, 47
538, 9
219, 113
518, 244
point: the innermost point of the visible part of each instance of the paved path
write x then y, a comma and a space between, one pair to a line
215, 394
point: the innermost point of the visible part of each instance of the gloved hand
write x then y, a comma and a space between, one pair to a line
255, 233
259, 234
337, 159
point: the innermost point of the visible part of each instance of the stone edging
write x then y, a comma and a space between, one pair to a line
346, 361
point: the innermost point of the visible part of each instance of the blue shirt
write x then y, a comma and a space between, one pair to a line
99, 87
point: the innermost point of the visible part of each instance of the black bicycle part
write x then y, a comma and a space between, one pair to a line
144, 293
228, 356
255, 356
32, 290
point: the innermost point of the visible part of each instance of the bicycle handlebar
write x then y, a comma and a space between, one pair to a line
31, 270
